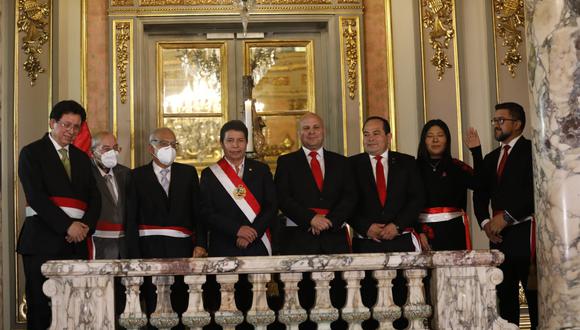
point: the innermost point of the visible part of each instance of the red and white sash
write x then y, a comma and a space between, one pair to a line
104, 229
240, 194
74, 208
441, 214
170, 231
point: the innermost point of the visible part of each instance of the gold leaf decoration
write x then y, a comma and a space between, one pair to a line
122, 48
292, 2
350, 36
117, 3
438, 18
509, 20
185, 2
33, 19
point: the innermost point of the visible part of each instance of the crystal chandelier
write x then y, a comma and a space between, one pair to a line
244, 7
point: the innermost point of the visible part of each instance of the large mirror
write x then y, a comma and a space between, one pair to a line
193, 97
283, 75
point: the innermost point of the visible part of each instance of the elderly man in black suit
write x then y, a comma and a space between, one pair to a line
164, 213
63, 204
507, 182
390, 197
316, 195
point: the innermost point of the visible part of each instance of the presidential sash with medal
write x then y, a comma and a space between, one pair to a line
240, 194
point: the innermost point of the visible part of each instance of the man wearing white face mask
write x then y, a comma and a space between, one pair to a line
108, 240
163, 213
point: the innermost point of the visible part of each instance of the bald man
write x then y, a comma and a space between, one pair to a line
316, 195
163, 213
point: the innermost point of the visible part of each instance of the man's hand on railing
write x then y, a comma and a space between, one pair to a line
375, 230
199, 252
389, 232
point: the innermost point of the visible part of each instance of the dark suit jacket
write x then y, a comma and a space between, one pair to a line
298, 194
514, 194
147, 204
405, 197
223, 218
42, 176
112, 248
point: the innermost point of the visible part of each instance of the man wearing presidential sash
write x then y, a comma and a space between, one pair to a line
241, 198
240, 206
63, 204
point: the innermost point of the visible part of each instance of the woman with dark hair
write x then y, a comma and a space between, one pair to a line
443, 223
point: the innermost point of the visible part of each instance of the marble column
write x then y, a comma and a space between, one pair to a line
553, 41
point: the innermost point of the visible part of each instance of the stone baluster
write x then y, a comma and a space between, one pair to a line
228, 316
132, 317
354, 312
81, 302
323, 313
385, 311
292, 314
260, 314
164, 317
195, 317
416, 310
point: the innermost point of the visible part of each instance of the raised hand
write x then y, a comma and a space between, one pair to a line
472, 138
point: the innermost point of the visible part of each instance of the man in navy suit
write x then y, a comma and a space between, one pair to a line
390, 197
507, 182
63, 204
164, 213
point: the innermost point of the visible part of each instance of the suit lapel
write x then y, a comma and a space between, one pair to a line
54, 158
328, 178
120, 184
101, 184
155, 184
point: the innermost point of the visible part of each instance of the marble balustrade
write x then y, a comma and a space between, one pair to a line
462, 290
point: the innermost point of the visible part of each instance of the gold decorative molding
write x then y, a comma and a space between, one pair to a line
509, 20
350, 35
438, 18
122, 38
295, 2
117, 3
349, 1
185, 2
33, 20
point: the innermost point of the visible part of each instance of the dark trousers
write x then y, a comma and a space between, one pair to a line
516, 270
38, 314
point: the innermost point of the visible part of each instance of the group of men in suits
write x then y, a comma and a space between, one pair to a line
162, 209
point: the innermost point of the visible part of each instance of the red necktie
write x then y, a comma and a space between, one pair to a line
504, 157
316, 170
381, 183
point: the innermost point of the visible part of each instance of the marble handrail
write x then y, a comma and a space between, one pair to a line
462, 290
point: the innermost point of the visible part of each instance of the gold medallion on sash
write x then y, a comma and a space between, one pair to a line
239, 192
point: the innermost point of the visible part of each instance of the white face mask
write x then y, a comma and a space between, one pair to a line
166, 155
109, 158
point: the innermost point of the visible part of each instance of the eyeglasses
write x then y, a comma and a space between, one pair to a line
69, 126
163, 143
500, 120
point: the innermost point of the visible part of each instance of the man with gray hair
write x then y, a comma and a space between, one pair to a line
163, 213
108, 240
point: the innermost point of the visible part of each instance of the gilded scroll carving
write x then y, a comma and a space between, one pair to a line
509, 22
33, 19
122, 33
116, 3
438, 18
350, 35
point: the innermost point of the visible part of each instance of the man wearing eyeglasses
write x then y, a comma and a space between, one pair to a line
163, 213
507, 182
63, 204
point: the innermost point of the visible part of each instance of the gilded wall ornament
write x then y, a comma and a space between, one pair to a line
186, 2
438, 18
33, 19
350, 36
122, 37
509, 22
116, 3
